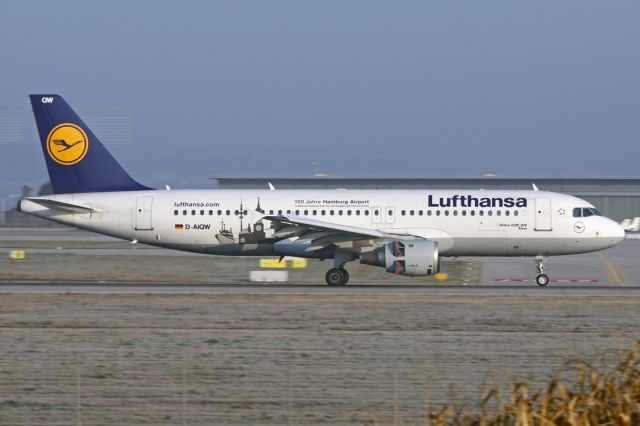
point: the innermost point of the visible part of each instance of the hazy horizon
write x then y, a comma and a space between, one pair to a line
183, 91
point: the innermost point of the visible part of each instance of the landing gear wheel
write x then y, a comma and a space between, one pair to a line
542, 280
337, 277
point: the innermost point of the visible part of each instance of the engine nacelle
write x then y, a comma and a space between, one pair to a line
405, 257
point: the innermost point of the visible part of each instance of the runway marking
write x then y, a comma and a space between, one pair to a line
613, 271
526, 280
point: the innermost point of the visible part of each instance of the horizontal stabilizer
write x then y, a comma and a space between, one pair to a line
61, 206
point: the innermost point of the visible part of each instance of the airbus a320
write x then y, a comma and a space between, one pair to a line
405, 232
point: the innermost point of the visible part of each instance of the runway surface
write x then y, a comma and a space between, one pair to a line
83, 262
292, 289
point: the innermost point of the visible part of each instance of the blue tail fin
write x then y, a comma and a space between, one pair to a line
76, 160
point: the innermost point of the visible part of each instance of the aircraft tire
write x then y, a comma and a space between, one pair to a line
542, 280
337, 277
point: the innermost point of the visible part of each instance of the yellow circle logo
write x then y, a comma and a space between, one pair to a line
67, 144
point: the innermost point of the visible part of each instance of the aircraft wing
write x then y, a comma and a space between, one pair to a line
322, 234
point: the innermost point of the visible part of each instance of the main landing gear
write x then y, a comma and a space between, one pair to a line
541, 279
338, 275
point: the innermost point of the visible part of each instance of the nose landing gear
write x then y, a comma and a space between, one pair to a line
541, 279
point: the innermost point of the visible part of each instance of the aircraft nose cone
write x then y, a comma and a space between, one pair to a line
616, 233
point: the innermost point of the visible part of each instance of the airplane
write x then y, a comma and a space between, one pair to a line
405, 232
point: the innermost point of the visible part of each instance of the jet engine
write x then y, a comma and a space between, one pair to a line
405, 257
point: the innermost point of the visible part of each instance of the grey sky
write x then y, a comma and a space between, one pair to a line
421, 88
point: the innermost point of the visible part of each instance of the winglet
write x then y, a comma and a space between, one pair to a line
271, 187
535, 188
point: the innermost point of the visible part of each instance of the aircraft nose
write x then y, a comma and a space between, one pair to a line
615, 233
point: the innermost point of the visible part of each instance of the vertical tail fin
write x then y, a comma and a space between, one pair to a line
76, 160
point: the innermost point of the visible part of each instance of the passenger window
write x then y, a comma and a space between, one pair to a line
437, 212
376, 212
481, 213
193, 212
366, 212
403, 213
390, 213
428, 212
419, 212
348, 212
490, 213
411, 213
498, 213
228, 212
339, 212
219, 212
331, 212
515, 213
357, 212
455, 212
184, 212
314, 212
473, 212
506, 213
464, 212
210, 212
297, 212
271, 212
244, 212
446, 212
288, 211
306, 212
201, 212
175, 212
279, 212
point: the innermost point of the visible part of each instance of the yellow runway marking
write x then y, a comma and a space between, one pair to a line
613, 271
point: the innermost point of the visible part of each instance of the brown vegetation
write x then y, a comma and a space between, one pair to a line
587, 395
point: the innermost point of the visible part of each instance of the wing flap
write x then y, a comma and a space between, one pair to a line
318, 225
320, 234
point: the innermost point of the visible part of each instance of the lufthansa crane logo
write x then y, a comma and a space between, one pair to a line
67, 144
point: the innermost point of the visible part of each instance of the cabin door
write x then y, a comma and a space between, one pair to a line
543, 214
143, 213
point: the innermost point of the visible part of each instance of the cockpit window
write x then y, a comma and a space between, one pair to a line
585, 212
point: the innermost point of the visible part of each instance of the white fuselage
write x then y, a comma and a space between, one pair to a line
232, 222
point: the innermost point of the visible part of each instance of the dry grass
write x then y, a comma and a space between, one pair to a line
273, 360
582, 394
